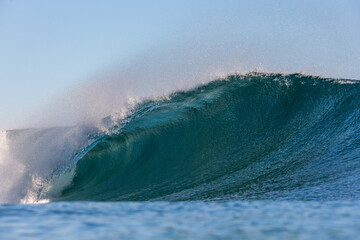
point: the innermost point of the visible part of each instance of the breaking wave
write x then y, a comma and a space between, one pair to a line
253, 136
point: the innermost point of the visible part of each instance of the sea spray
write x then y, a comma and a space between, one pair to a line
30, 158
155, 74
11, 170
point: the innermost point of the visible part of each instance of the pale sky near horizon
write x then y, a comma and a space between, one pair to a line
49, 47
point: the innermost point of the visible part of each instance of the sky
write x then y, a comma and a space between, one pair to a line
48, 48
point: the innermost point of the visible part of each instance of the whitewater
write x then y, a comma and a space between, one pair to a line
244, 148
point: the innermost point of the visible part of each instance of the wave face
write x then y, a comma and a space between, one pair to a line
254, 136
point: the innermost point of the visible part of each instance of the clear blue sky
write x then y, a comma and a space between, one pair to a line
48, 47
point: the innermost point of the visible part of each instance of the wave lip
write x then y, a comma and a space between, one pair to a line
254, 136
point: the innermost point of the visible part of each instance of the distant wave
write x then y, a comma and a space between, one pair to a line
254, 136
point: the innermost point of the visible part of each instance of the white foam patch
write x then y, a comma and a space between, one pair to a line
3, 147
32, 193
31, 159
11, 171
341, 81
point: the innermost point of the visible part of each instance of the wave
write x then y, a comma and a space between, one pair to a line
253, 136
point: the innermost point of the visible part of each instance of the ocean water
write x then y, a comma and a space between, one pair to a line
247, 156
182, 220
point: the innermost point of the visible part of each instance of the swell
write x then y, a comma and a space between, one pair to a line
254, 136
246, 137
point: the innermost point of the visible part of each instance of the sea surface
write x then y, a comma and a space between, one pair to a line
255, 156
182, 220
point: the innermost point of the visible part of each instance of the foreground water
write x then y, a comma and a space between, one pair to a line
182, 220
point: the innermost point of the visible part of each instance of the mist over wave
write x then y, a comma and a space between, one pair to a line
253, 136
157, 74
151, 75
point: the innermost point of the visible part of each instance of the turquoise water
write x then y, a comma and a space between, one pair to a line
252, 156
